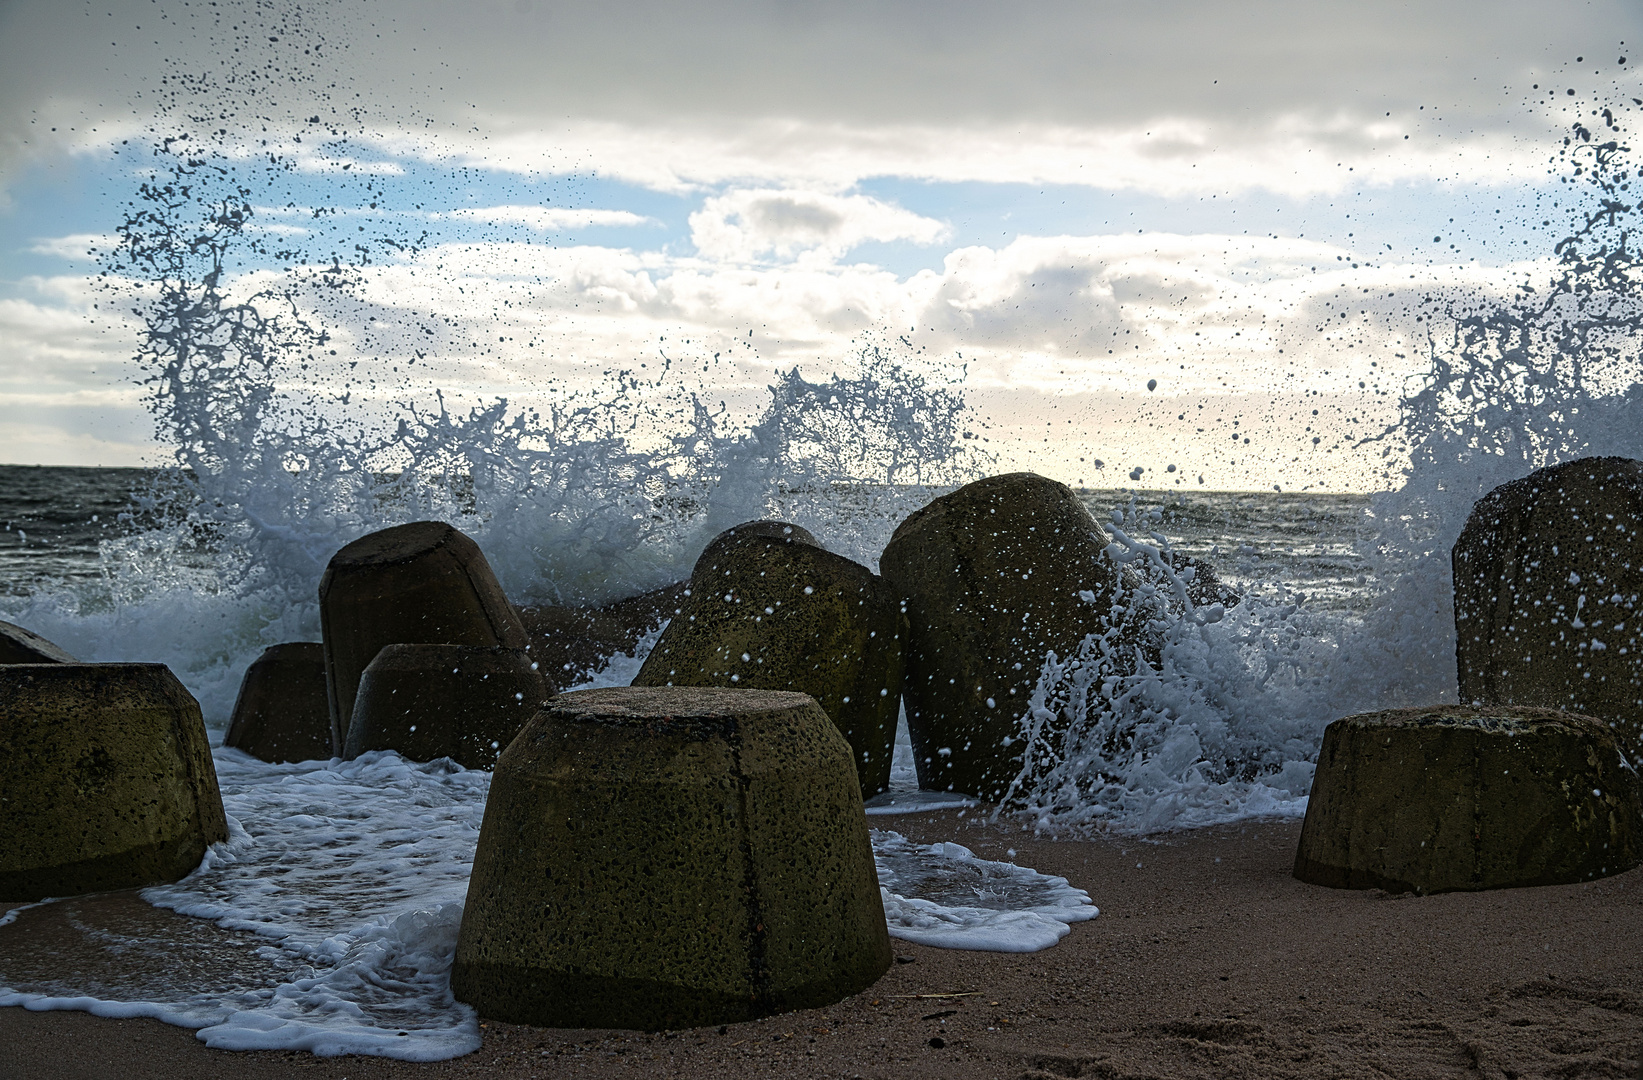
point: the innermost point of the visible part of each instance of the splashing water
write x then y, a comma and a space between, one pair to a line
305, 412
1226, 719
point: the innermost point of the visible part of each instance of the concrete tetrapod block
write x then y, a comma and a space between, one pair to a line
455, 701
106, 779
770, 609
20, 646
993, 575
1549, 594
419, 583
282, 713
671, 857
1456, 797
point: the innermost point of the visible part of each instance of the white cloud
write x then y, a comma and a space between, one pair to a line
75, 246
1296, 153
742, 226
549, 218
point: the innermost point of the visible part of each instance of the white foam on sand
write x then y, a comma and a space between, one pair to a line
355, 872
943, 895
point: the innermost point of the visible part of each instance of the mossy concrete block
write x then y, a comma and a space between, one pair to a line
1458, 797
455, 701
20, 646
769, 609
106, 779
282, 712
1549, 594
571, 643
422, 583
671, 857
991, 575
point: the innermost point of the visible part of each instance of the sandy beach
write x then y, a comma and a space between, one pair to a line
1208, 960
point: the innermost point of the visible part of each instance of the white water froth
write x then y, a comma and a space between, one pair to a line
942, 895
356, 873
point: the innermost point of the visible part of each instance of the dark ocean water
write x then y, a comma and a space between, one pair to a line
53, 520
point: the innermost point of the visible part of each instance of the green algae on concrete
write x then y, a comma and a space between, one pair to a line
1548, 579
769, 609
1457, 797
106, 779
994, 576
453, 701
671, 857
424, 582
281, 713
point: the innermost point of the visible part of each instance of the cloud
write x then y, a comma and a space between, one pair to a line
549, 218
1170, 98
744, 225
75, 246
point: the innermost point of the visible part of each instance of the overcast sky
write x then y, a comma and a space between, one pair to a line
1067, 200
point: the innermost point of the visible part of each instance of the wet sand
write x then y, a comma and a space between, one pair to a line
1208, 960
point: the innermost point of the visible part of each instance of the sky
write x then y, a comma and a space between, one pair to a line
1172, 245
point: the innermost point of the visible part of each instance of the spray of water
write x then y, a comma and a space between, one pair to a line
1225, 719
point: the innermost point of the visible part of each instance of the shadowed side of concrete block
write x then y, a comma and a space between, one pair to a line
1455, 797
282, 712
20, 646
454, 701
768, 608
106, 780
992, 575
421, 583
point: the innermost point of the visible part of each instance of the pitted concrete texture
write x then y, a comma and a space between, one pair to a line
770, 609
106, 779
454, 701
671, 857
1455, 797
991, 575
282, 713
20, 646
419, 583
1549, 594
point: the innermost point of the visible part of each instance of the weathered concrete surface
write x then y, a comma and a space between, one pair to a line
1458, 797
20, 646
282, 712
1549, 594
671, 857
571, 643
106, 779
455, 701
991, 575
770, 609
419, 583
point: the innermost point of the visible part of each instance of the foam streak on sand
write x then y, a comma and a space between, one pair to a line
356, 873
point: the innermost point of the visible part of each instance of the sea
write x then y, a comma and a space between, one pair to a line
338, 894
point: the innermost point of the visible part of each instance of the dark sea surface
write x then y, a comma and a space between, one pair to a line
53, 520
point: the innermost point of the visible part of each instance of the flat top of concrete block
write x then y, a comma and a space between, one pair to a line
661, 703
400, 543
77, 670
1505, 719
